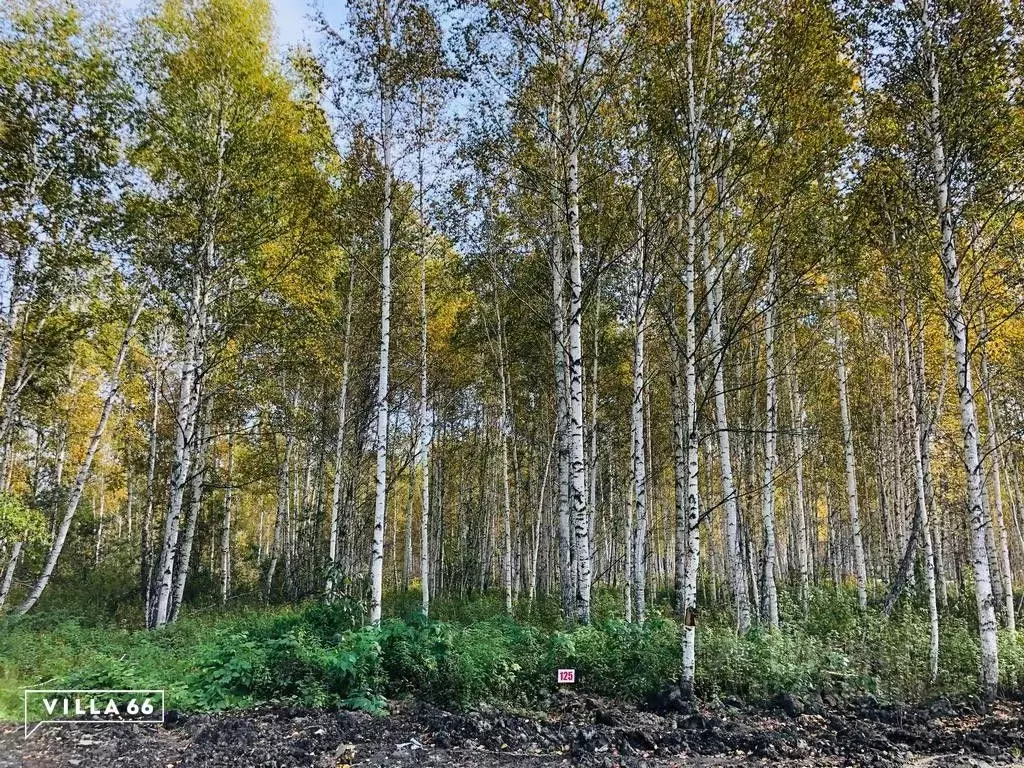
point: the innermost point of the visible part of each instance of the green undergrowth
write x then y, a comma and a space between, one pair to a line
322, 655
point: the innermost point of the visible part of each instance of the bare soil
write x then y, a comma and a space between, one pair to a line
577, 731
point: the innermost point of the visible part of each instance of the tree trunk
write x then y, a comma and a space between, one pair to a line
692, 562
407, 548
637, 429
101, 493
146, 561
195, 505
184, 437
965, 389
771, 418
798, 415
503, 431
280, 525
577, 450
339, 445
425, 433
83, 471
381, 436
714, 277
225, 538
853, 504
567, 575
998, 520
915, 401
12, 566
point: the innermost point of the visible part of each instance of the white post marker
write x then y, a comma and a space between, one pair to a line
567, 676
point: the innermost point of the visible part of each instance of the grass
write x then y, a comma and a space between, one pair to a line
322, 655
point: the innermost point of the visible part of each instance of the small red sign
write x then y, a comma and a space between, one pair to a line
567, 676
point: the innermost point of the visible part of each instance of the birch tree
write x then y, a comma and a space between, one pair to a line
955, 316
771, 596
112, 385
638, 446
850, 464
212, 193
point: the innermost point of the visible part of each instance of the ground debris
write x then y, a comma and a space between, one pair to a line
589, 732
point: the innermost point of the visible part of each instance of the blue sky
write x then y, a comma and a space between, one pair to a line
291, 18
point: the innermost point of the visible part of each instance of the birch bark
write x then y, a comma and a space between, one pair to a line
637, 430
850, 460
506, 499
425, 433
381, 435
577, 449
195, 504
225, 541
916, 402
1002, 544
692, 561
114, 383
339, 441
567, 574
771, 417
145, 531
713, 277
965, 389
186, 414
798, 414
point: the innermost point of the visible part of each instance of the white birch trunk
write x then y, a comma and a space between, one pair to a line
692, 543
916, 401
998, 518
850, 460
577, 449
627, 581
225, 539
567, 574
677, 398
381, 435
146, 560
280, 520
965, 389
592, 464
114, 383
540, 515
186, 414
928, 422
771, 422
12, 566
407, 549
798, 414
195, 505
425, 427
503, 431
713, 278
278, 545
339, 443
637, 430
692, 563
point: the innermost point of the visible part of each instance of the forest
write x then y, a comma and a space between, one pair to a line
678, 342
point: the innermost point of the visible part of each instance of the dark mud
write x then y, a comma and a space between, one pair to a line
578, 731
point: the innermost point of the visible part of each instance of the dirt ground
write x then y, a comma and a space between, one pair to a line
579, 731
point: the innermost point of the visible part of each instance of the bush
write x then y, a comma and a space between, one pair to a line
614, 658
321, 655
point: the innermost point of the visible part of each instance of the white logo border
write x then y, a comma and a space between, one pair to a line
161, 691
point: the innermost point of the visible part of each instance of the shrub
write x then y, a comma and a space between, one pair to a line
321, 655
